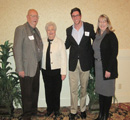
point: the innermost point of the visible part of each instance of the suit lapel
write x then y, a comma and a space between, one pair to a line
38, 33
83, 34
29, 33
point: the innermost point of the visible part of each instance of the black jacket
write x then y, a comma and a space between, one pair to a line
83, 51
109, 52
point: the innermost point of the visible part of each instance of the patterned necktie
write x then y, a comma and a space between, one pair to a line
38, 44
35, 38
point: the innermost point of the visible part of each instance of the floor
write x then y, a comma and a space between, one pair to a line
120, 111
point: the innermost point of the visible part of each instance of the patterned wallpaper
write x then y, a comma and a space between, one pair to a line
13, 13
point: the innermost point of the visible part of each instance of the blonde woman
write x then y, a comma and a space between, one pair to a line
105, 48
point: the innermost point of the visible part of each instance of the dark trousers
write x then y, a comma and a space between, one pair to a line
53, 85
30, 92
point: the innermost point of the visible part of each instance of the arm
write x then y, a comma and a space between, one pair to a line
63, 62
114, 50
92, 33
17, 50
67, 42
114, 53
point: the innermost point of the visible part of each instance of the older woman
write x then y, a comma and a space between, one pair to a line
105, 53
54, 64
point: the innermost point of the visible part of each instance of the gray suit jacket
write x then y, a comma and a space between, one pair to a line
25, 50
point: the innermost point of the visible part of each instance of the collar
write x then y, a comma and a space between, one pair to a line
49, 40
54, 40
31, 28
79, 28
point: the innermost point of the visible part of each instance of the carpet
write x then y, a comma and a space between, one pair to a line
119, 111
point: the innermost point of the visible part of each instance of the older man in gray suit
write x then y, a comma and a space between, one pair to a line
28, 53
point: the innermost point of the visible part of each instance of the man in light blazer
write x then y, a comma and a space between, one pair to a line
28, 54
78, 40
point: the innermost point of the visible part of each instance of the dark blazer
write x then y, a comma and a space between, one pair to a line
83, 51
109, 52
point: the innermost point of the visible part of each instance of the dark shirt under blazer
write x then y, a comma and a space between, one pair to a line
109, 52
83, 51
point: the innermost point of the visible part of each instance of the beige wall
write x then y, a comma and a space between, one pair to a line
13, 13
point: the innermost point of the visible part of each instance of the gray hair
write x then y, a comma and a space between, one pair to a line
50, 24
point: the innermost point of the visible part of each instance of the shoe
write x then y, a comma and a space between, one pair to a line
20, 117
38, 113
83, 115
72, 116
57, 113
107, 106
26, 118
101, 107
97, 118
48, 113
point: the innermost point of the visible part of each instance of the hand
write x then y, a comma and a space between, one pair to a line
21, 74
63, 77
107, 74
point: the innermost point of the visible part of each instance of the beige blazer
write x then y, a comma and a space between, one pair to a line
24, 50
58, 56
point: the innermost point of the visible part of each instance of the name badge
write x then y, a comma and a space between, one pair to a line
87, 33
31, 37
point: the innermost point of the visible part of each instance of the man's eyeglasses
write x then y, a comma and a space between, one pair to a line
73, 16
33, 16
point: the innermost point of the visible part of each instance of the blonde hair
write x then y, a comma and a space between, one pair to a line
109, 28
50, 24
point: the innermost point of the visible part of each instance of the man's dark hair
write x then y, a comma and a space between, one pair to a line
75, 9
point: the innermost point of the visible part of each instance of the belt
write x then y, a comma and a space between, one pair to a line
98, 59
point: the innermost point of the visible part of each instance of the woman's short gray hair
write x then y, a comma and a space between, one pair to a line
50, 24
